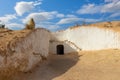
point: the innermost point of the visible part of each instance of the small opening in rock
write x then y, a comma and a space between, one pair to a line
60, 49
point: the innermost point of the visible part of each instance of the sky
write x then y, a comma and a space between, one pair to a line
57, 14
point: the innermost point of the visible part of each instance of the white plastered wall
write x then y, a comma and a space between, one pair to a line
88, 38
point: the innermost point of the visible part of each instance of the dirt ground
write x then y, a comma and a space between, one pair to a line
85, 65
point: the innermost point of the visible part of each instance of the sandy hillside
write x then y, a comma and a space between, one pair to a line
22, 50
10, 36
85, 65
113, 25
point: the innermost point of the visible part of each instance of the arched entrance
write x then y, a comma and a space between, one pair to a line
60, 49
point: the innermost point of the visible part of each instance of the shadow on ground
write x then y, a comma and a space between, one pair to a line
54, 66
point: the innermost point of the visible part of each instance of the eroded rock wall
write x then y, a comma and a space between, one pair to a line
24, 53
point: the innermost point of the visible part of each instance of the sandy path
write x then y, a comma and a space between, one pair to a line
93, 65
54, 66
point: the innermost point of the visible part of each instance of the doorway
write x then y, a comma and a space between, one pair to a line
60, 49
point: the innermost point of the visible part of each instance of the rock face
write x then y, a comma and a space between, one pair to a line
30, 24
22, 50
86, 38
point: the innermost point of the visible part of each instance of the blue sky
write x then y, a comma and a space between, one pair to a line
57, 14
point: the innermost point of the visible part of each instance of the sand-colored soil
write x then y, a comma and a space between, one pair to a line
10, 36
85, 65
113, 25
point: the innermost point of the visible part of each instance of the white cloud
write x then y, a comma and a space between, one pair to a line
70, 16
36, 3
115, 14
42, 16
14, 25
60, 15
68, 20
48, 25
110, 7
91, 20
42, 19
23, 7
7, 18
76, 19
89, 9
111, 0
52, 27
